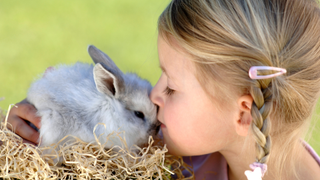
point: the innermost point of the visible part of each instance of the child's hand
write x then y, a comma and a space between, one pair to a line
16, 120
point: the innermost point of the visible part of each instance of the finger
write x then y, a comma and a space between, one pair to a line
25, 131
29, 142
28, 112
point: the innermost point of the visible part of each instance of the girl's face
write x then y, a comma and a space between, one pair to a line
192, 123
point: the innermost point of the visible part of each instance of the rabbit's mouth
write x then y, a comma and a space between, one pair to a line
154, 128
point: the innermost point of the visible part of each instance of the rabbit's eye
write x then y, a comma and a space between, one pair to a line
139, 114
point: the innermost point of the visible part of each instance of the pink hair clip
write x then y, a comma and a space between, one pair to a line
253, 72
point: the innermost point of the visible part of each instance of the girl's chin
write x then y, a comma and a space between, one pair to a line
174, 152
171, 147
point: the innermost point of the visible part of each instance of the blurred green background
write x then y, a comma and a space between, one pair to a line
41, 33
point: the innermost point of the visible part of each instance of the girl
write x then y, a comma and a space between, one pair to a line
231, 69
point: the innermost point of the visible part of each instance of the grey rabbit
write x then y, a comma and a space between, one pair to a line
72, 100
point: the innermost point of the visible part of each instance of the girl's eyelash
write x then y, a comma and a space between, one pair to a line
168, 91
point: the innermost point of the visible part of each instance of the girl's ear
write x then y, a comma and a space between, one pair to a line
244, 119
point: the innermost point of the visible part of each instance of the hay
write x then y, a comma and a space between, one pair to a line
82, 160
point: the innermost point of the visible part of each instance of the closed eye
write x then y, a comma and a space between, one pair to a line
168, 91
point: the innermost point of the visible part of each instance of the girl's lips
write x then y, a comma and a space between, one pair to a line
163, 126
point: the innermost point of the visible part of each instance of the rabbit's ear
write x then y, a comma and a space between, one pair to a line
100, 57
108, 81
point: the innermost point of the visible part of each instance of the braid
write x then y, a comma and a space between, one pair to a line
261, 125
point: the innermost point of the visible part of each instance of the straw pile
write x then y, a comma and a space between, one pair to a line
81, 160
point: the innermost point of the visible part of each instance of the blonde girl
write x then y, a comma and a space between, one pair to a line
240, 81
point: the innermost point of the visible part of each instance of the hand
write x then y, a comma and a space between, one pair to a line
16, 121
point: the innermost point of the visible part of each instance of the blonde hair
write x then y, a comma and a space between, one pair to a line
227, 37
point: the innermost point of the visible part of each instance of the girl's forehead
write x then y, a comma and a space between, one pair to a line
173, 60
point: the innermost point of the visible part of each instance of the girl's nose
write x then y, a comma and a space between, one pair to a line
156, 95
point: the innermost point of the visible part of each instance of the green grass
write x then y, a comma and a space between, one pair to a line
41, 33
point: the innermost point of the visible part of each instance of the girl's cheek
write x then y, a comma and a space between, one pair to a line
171, 116
168, 111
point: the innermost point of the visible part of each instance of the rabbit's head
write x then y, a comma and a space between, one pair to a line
135, 113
